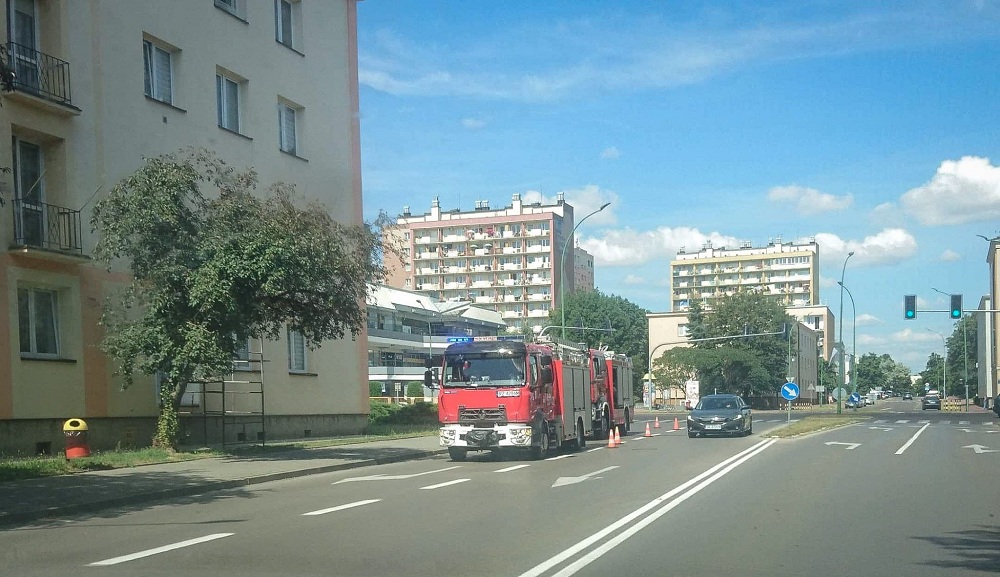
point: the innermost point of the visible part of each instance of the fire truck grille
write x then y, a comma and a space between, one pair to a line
481, 417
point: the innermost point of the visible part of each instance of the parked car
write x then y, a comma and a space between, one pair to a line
720, 415
931, 402
907, 396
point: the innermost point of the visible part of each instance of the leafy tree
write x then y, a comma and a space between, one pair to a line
213, 264
962, 346
629, 332
933, 375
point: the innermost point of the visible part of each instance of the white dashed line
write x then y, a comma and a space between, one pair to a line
341, 507
158, 550
445, 484
513, 468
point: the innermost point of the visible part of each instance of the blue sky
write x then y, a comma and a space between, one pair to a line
872, 126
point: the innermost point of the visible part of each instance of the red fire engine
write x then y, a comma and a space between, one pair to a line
499, 393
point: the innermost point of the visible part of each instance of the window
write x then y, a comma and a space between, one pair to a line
36, 321
227, 99
241, 357
286, 19
296, 351
29, 192
287, 128
156, 71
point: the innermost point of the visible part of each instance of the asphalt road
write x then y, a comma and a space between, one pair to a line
902, 494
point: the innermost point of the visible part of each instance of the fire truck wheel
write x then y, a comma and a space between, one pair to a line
581, 439
542, 448
628, 422
457, 453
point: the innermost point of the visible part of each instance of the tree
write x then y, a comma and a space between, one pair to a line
962, 346
629, 329
212, 265
933, 375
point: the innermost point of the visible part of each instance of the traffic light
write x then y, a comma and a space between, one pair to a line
956, 306
910, 307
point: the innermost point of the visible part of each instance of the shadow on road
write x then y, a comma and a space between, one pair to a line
977, 549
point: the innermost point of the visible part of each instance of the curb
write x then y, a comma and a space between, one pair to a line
12, 520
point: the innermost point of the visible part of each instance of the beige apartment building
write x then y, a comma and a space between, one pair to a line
787, 272
98, 85
506, 259
988, 324
583, 270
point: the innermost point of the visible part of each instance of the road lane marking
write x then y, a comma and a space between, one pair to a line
158, 550
907, 444
880, 421
341, 507
980, 449
557, 457
392, 477
849, 446
445, 484
705, 479
573, 480
512, 468
597, 449
902, 421
963, 422
923, 422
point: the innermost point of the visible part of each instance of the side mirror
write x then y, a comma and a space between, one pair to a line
546, 377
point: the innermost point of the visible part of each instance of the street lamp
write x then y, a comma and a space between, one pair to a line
841, 330
965, 352
944, 377
562, 267
854, 337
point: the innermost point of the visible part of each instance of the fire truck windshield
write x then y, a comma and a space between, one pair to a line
483, 370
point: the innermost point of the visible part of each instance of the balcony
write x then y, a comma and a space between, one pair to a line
47, 227
39, 74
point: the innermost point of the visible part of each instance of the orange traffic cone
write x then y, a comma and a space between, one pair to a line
611, 440
618, 438
677, 424
656, 425
648, 434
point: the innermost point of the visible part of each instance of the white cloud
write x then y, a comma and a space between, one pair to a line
890, 246
809, 201
949, 256
866, 320
585, 201
610, 152
627, 247
473, 123
912, 336
964, 190
632, 279
870, 340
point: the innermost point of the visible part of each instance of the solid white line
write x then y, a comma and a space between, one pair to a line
509, 469
913, 438
557, 457
341, 507
544, 566
445, 484
597, 449
164, 549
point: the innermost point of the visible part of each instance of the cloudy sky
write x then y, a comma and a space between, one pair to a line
873, 127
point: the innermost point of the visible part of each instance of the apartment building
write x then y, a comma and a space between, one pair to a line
506, 259
100, 85
788, 272
988, 324
583, 270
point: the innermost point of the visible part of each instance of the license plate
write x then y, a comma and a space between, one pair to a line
713, 427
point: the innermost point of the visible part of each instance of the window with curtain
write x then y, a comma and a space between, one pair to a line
283, 22
37, 324
156, 72
296, 352
227, 98
287, 128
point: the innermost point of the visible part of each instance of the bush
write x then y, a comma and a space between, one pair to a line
419, 413
379, 412
414, 389
374, 389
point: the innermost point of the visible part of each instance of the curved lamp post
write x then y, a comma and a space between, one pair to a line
854, 337
840, 332
562, 267
965, 351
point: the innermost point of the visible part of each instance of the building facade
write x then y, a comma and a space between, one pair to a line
98, 86
989, 327
583, 271
508, 259
409, 331
787, 272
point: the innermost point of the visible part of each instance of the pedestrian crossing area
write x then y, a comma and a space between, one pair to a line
919, 422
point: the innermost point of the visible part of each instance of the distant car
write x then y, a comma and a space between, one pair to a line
931, 402
720, 415
907, 396
851, 404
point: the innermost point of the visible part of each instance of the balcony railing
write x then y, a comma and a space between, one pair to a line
39, 74
47, 226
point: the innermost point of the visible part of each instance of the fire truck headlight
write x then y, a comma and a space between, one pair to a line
520, 436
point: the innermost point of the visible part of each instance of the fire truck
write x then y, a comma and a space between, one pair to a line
500, 393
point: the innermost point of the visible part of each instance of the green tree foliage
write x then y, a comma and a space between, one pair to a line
415, 389
962, 346
933, 374
595, 310
212, 264
881, 371
748, 366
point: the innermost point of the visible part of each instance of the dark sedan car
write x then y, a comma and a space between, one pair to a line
720, 415
931, 402
907, 396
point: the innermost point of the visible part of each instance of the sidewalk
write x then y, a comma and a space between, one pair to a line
31, 500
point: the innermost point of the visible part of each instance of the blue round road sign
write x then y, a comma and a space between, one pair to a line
790, 391
855, 397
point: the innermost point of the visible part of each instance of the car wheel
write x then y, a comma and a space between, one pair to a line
581, 439
542, 448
